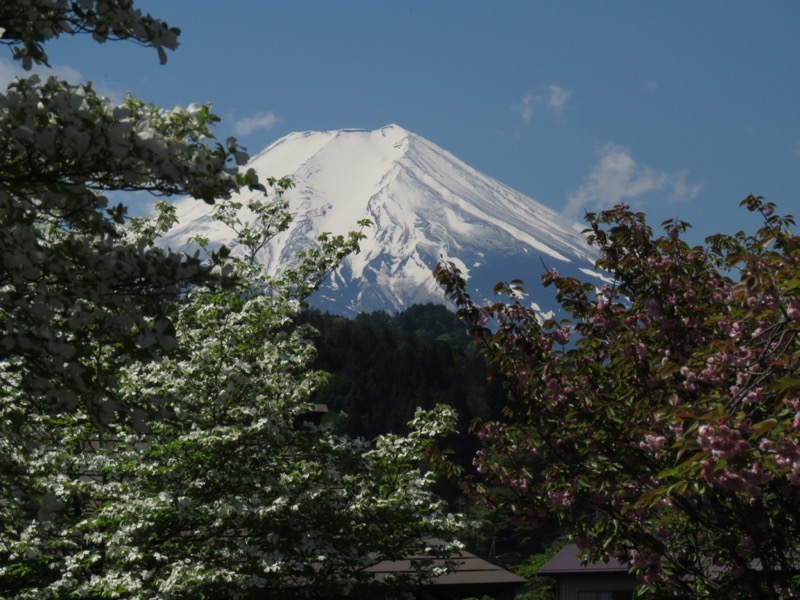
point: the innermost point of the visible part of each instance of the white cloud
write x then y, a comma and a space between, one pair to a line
526, 108
796, 150
554, 99
557, 98
10, 70
616, 177
258, 121
64, 72
682, 189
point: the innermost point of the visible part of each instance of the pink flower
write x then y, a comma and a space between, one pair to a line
725, 443
560, 499
561, 335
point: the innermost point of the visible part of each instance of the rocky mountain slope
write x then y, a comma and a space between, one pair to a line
425, 204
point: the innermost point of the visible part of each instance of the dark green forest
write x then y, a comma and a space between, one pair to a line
383, 367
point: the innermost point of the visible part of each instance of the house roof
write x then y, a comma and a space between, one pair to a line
567, 561
470, 570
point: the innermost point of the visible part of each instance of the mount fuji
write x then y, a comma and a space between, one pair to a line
425, 205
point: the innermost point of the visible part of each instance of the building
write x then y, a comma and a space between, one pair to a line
472, 577
576, 580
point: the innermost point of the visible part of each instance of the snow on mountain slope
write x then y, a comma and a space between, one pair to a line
424, 203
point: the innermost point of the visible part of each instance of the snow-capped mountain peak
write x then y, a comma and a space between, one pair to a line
425, 204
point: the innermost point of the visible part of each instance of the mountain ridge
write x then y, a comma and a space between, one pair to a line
425, 204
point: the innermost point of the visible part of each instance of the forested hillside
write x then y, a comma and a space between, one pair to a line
383, 367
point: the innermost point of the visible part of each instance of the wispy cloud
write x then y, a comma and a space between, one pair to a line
681, 188
10, 70
554, 99
557, 98
616, 177
796, 150
262, 120
526, 108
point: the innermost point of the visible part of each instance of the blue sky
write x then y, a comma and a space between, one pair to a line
681, 108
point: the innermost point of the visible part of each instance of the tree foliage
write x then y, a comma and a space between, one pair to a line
153, 419
25, 25
538, 587
73, 283
659, 422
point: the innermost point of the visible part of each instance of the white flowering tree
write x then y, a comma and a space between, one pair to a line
71, 285
221, 485
152, 436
